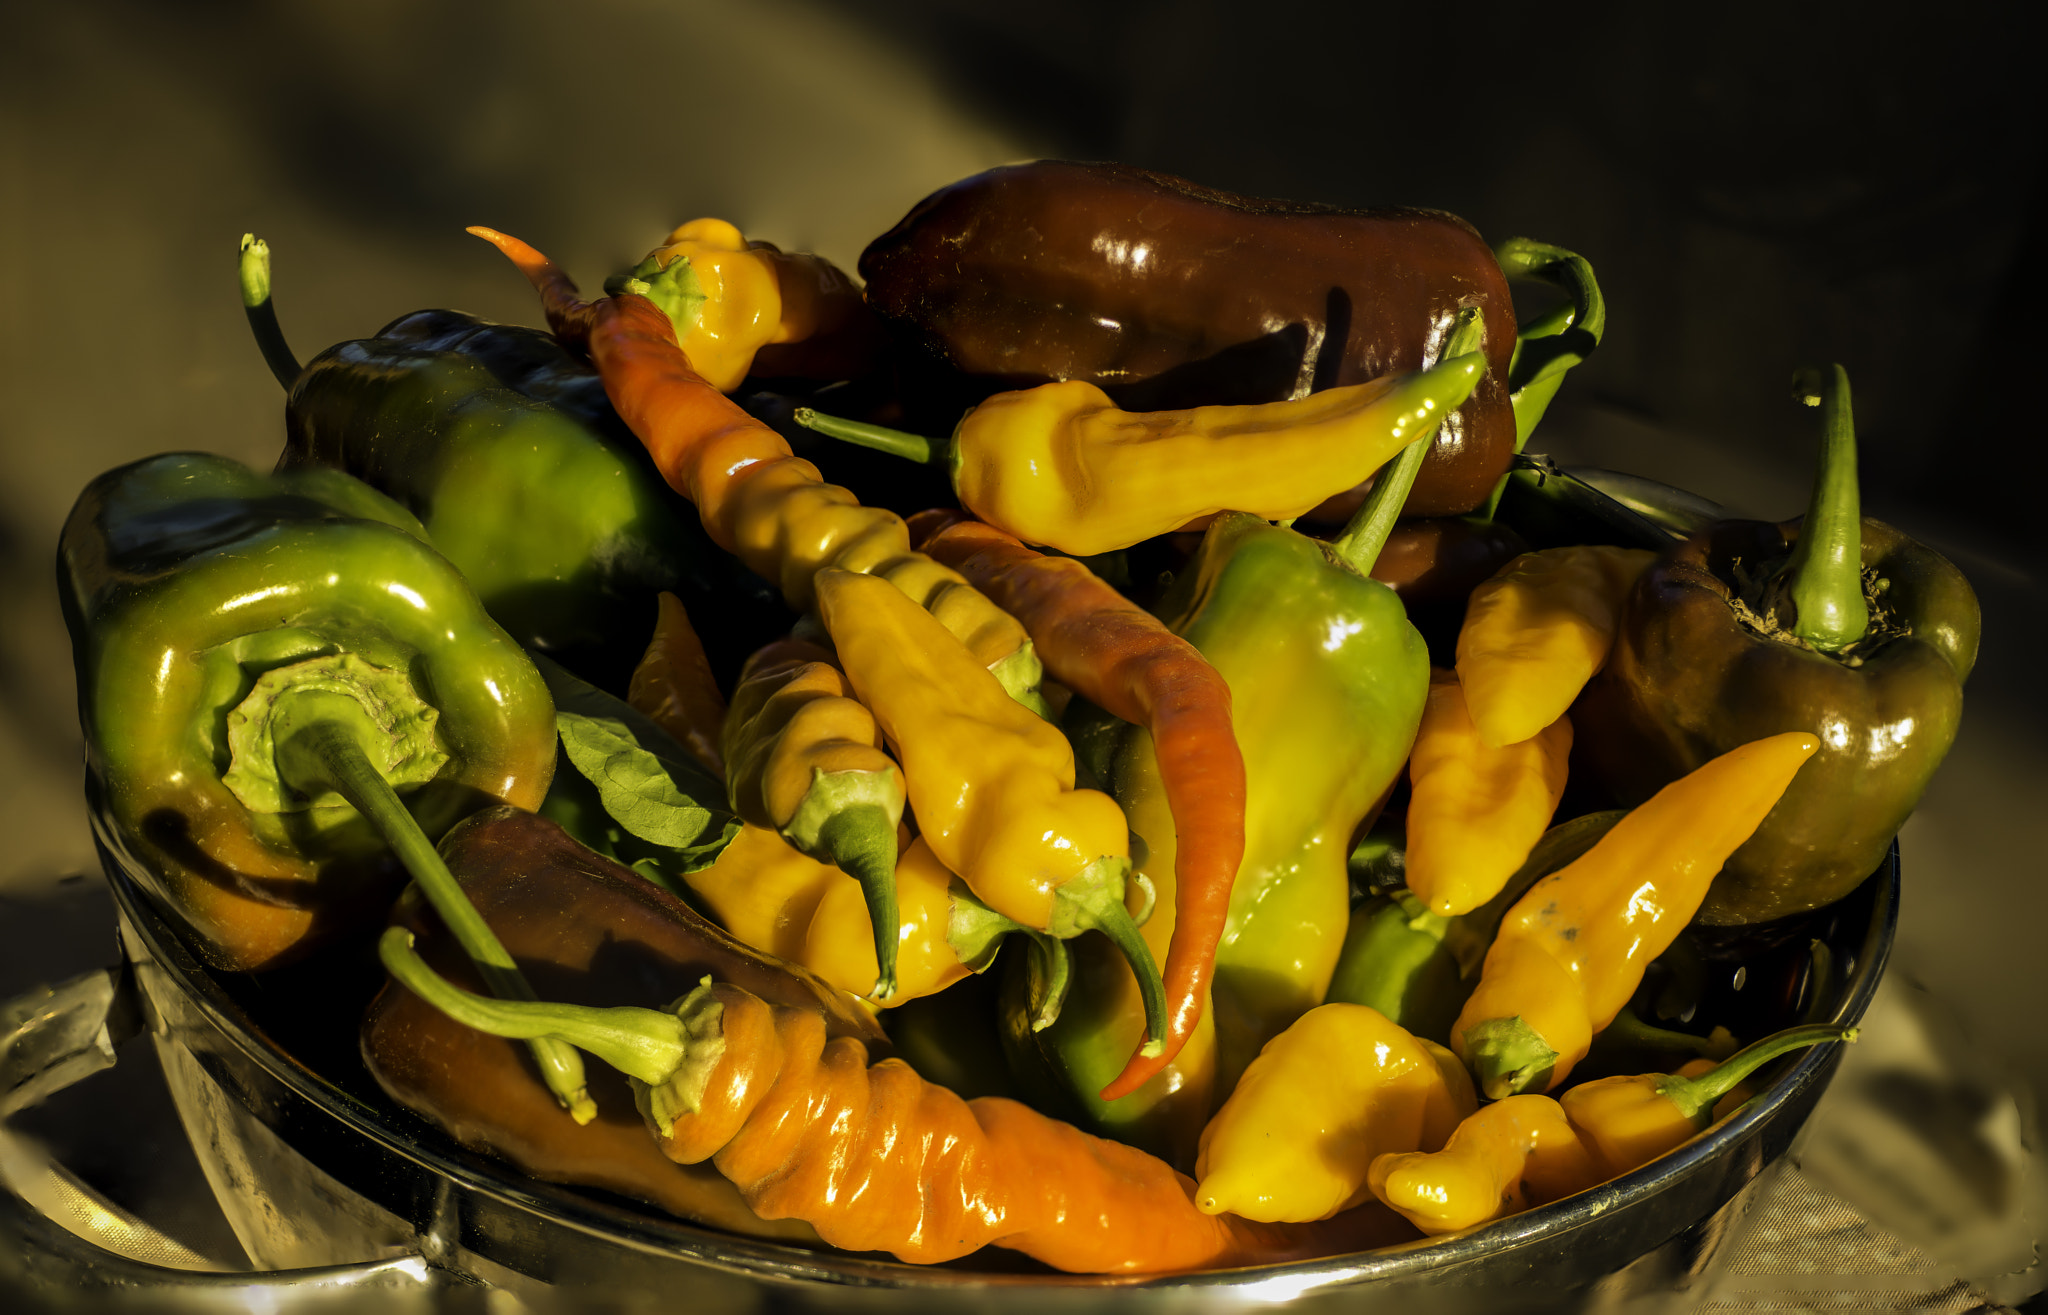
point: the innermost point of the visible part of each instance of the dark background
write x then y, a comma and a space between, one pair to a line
1758, 186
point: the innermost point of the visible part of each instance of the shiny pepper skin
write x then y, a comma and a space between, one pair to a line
1323, 1100
1538, 631
992, 785
1061, 465
1475, 810
1503, 1159
1572, 951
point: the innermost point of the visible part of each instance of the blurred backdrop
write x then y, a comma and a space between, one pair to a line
1758, 186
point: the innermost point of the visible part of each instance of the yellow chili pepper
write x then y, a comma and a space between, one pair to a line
767, 894
1572, 951
1062, 465
1475, 811
1508, 1156
1339, 1088
754, 296
805, 759
1538, 631
1629, 1121
992, 785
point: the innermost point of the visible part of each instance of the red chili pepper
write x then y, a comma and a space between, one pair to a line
1119, 657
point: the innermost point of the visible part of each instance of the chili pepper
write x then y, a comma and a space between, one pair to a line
1629, 1121
1167, 294
1341, 1086
1537, 632
1748, 628
588, 930
1121, 659
754, 498
992, 785
806, 761
1573, 949
746, 306
874, 1157
507, 449
674, 686
1504, 1158
1061, 465
1317, 654
263, 663
1475, 810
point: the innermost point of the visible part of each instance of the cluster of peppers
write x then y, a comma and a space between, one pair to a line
343, 690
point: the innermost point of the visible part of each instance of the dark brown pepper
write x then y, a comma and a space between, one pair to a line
587, 931
1169, 295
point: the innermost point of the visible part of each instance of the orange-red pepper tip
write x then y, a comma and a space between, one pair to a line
568, 316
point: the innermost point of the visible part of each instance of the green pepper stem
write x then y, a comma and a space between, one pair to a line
262, 315
975, 932
328, 754
1360, 543
1551, 344
1054, 973
861, 841
1094, 901
1825, 574
1507, 1057
646, 1044
896, 442
1695, 1097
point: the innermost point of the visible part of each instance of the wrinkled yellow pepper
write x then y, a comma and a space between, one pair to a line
1508, 1156
1573, 949
1338, 1089
992, 785
1536, 632
1475, 811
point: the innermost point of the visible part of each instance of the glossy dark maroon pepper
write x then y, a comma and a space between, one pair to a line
1167, 295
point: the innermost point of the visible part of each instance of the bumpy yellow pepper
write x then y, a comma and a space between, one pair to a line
992, 785
1338, 1089
1538, 631
1475, 811
1508, 1156
805, 759
1573, 949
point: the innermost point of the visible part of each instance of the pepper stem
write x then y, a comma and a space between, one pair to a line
861, 841
896, 442
1825, 574
1508, 1057
324, 751
1695, 1097
1094, 901
262, 315
1549, 345
1360, 543
975, 932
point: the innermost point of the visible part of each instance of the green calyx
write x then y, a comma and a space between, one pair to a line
848, 819
255, 276
1696, 1097
387, 718
1437, 392
1824, 578
1094, 901
975, 932
1508, 1057
1021, 674
672, 287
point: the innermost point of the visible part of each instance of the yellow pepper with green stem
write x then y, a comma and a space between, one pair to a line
1573, 949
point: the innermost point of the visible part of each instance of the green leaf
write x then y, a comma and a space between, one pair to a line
648, 783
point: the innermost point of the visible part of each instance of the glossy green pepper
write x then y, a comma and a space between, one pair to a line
507, 449
1837, 625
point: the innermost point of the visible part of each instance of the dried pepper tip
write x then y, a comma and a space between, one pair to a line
975, 932
255, 275
1824, 577
1696, 1097
1508, 1057
1094, 901
669, 1054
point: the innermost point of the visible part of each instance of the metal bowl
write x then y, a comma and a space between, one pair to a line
326, 1181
